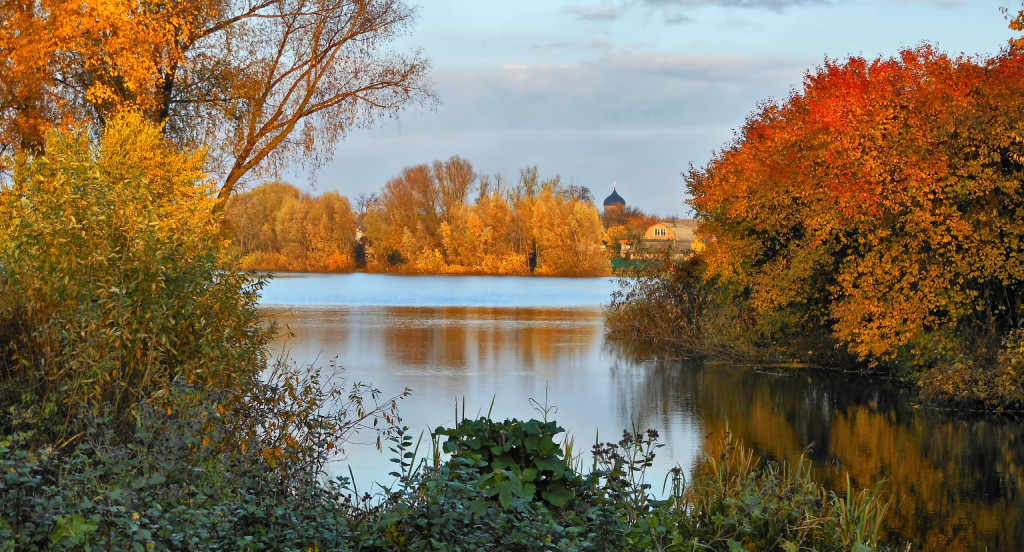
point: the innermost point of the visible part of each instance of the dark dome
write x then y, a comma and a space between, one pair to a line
614, 200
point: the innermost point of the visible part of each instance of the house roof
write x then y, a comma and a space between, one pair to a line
684, 229
680, 229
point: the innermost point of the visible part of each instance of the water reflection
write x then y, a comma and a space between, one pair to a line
447, 355
956, 478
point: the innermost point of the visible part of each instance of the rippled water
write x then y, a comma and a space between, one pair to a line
956, 478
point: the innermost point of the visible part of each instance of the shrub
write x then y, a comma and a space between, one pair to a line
114, 280
173, 488
731, 503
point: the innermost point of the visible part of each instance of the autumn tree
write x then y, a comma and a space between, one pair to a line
278, 228
880, 203
405, 223
261, 83
112, 268
424, 222
251, 217
568, 234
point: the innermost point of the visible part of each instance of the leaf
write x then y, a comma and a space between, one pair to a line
74, 529
558, 495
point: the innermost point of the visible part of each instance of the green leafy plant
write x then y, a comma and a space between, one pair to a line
515, 459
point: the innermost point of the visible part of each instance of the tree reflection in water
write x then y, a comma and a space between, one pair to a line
957, 478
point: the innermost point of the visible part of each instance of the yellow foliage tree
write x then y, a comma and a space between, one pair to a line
278, 228
568, 233
112, 260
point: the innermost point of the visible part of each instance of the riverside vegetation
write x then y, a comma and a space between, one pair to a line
139, 412
870, 220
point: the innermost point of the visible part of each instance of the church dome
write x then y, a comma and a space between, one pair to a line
614, 200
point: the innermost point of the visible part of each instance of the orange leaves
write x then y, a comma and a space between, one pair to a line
879, 199
260, 84
67, 58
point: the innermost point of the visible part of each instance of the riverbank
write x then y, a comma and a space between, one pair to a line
684, 312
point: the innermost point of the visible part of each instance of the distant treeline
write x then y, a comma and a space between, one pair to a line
441, 218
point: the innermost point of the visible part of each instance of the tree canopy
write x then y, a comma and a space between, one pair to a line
881, 201
260, 83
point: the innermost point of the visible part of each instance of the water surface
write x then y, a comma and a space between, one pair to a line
956, 478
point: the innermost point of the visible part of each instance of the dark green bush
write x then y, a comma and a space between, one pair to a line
172, 489
514, 459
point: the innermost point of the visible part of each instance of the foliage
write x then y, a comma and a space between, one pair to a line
174, 488
567, 233
666, 308
879, 204
676, 308
114, 280
734, 503
632, 218
297, 419
277, 228
259, 83
728, 505
514, 459
423, 223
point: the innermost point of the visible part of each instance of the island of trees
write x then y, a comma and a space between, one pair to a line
438, 219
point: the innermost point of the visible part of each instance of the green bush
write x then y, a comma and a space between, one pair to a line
514, 459
172, 489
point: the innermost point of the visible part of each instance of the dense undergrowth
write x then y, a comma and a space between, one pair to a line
504, 486
139, 409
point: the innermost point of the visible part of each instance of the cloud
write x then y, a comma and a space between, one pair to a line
620, 90
594, 14
675, 18
591, 45
937, 3
777, 5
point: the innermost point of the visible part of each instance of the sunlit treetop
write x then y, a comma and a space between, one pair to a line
261, 83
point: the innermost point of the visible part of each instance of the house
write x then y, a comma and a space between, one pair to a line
677, 237
679, 230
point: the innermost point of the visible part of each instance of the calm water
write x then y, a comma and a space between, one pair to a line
957, 479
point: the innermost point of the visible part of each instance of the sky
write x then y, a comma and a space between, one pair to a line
630, 92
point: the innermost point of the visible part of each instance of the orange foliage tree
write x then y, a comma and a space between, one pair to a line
261, 83
424, 223
880, 202
278, 228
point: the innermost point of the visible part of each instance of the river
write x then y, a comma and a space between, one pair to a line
511, 345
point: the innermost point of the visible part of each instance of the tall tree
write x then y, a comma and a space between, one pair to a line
262, 83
